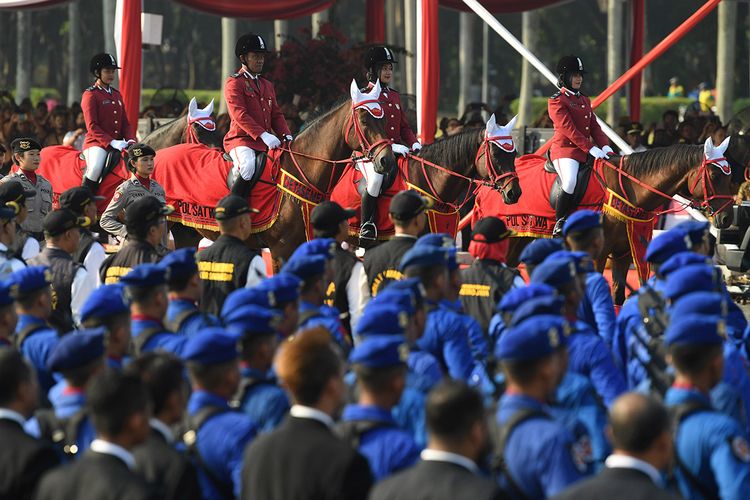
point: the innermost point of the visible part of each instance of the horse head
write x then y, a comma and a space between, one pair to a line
496, 159
712, 183
201, 126
368, 124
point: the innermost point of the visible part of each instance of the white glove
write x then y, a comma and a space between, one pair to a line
271, 141
597, 153
416, 146
288, 138
399, 149
118, 145
607, 150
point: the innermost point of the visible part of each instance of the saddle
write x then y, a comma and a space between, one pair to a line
582, 182
260, 166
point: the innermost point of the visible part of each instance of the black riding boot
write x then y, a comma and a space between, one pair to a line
563, 208
242, 188
368, 232
92, 185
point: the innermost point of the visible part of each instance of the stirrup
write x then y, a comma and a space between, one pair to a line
557, 232
368, 232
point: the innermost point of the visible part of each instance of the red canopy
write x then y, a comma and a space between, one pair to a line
275, 9
502, 5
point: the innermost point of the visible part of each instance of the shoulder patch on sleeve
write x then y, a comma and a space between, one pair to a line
117, 196
740, 448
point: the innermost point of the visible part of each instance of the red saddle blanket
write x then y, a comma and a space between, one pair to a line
194, 177
442, 218
64, 167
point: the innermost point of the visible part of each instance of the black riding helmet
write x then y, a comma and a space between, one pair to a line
250, 42
374, 60
101, 61
566, 66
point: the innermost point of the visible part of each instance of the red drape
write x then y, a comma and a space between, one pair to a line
273, 9
430, 68
30, 4
129, 50
501, 5
636, 52
375, 19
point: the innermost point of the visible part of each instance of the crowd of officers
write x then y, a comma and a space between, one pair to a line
184, 374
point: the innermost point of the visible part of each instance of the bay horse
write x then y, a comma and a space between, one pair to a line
648, 180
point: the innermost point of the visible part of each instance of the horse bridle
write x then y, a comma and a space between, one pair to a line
369, 151
707, 184
494, 176
206, 122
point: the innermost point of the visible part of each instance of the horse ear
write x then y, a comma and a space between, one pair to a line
512, 123
708, 147
376, 89
209, 109
491, 123
354, 91
724, 145
193, 107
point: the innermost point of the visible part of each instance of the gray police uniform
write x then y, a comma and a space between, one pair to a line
127, 193
38, 206
8, 263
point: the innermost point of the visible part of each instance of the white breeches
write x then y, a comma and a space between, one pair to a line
567, 169
243, 158
95, 158
373, 179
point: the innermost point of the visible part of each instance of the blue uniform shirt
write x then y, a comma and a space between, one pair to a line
221, 442
597, 309
423, 373
387, 448
542, 455
193, 322
446, 338
713, 447
264, 401
37, 348
166, 340
327, 317
590, 356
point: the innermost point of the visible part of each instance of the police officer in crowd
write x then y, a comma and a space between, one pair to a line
140, 161
379, 363
90, 253
381, 264
107, 127
71, 282
108, 307
449, 466
256, 121
330, 220
538, 250
144, 220
119, 410
9, 263
285, 289
185, 293
157, 459
8, 315
217, 434
259, 395
489, 278
304, 446
229, 263
23, 458
12, 193
26, 158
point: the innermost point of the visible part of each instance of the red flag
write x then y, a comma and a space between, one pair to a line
128, 43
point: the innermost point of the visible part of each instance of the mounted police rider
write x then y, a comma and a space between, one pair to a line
107, 127
577, 134
379, 63
257, 124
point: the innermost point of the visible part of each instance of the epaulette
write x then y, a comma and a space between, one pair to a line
235, 75
91, 88
556, 94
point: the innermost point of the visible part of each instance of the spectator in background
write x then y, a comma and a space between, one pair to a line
634, 137
687, 133
58, 126
675, 89
706, 98
77, 135
453, 127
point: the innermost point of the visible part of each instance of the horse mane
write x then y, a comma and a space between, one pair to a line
653, 161
453, 150
167, 128
320, 116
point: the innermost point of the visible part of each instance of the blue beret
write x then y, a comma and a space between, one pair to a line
320, 246
412, 285
253, 319
538, 250
517, 296
105, 301
695, 230
666, 245
211, 346
584, 263
380, 351
680, 260
382, 319
6, 298
146, 275
694, 278
695, 329
403, 299
285, 286
29, 279
551, 305
76, 349
533, 339
706, 303
181, 262
423, 256
245, 297
555, 272
305, 266
582, 220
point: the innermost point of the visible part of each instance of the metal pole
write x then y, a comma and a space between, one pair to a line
280, 31
485, 63
74, 52
410, 44
317, 19
108, 29
725, 54
23, 55
529, 22
614, 54
465, 58
229, 61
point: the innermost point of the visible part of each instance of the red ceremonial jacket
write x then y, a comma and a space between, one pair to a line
253, 110
575, 126
105, 118
396, 126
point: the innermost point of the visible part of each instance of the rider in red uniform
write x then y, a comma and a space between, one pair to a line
256, 120
577, 134
379, 63
107, 127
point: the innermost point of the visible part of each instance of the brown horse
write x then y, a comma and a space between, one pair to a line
649, 180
